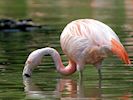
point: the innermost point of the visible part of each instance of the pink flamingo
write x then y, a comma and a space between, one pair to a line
84, 41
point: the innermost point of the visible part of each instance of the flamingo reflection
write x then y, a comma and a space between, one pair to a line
65, 89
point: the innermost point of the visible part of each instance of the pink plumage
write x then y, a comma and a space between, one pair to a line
88, 41
84, 41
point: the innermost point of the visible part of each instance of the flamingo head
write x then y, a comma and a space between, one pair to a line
28, 68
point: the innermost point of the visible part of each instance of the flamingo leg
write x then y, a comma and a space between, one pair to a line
80, 67
98, 66
100, 77
100, 74
80, 75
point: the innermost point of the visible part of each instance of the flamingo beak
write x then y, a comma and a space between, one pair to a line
27, 71
26, 75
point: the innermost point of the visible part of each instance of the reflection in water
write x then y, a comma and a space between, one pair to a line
66, 89
33, 91
117, 80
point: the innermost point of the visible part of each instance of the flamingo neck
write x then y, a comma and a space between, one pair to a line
35, 58
69, 69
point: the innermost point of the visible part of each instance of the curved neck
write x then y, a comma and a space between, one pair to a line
35, 58
69, 69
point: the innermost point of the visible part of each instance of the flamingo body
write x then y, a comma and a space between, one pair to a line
84, 41
88, 41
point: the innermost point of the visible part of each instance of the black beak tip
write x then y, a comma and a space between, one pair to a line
27, 75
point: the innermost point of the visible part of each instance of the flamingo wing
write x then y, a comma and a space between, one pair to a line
119, 50
88, 33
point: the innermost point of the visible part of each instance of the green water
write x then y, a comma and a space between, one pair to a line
46, 83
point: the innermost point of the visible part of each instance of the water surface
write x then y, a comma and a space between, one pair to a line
46, 83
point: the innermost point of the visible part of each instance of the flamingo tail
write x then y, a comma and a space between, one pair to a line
118, 49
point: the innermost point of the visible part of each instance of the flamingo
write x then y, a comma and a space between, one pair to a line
84, 41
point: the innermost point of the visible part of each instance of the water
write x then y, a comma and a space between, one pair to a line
46, 83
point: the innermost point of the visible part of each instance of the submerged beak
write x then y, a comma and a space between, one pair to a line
27, 71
